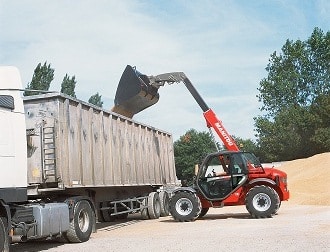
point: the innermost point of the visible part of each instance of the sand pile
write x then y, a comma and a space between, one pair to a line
309, 179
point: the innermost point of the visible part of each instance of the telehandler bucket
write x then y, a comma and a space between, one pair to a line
134, 93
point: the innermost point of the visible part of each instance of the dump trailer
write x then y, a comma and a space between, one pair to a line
67, 164
225, 178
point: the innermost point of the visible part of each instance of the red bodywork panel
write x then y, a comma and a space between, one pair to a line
257, 176
213, 121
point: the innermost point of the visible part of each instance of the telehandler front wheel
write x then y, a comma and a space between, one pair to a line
185, 206
262, 202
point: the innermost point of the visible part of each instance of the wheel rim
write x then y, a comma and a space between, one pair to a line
184, 206
261, 202
83, 221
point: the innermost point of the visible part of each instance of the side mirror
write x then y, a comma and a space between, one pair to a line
7, 101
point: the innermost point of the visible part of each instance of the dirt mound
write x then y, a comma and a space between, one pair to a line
309, 179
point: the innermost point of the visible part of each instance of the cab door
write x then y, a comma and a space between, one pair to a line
221, 175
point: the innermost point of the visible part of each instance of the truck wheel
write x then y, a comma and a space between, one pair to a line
144, 211
164, 204
185, 206
154, 205
262, 202
4, 240
82, 223
203, 212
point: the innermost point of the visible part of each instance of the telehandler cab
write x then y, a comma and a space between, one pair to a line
225, 178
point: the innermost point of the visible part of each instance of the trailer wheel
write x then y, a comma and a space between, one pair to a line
144, 211
154, 205
164, 204
203, 212
82, 223
185, 206
4, 240
262, 202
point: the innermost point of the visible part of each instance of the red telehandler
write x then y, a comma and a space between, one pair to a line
224, 178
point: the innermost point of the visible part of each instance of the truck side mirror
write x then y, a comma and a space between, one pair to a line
7, 101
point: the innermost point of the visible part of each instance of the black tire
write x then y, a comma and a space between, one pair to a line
164, 204
279, 205
262, 202
203, 212
81, 225
185, 206
4, 239
154, 205
144, 211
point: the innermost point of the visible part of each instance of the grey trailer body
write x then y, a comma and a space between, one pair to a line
75, 148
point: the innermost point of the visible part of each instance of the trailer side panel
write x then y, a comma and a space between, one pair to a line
75, 144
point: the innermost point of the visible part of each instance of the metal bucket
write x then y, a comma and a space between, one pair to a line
134, 93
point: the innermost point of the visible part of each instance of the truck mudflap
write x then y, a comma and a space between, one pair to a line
134, 93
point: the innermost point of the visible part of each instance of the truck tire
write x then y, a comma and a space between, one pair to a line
185, 206
153, 205
81, 225
164, 204
262, 202
4, 239
144, 211
203, 212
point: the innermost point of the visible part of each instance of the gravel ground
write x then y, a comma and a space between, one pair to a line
295, 228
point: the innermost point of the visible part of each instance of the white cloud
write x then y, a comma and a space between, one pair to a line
223, 47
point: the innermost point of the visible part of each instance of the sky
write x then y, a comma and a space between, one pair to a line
223, 47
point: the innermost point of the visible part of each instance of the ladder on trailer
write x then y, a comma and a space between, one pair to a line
48, 154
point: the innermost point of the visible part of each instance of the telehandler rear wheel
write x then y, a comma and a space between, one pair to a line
262, 202
203, 212
185, 206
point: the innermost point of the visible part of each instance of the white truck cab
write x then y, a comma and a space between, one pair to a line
13, 157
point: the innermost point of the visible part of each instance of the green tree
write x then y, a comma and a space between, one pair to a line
96, 99
189, 150
321, 110
298, 82
68, 85
42, 77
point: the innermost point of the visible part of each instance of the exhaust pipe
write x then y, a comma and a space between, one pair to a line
18, 238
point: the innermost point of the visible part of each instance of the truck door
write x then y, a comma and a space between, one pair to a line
13, 160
